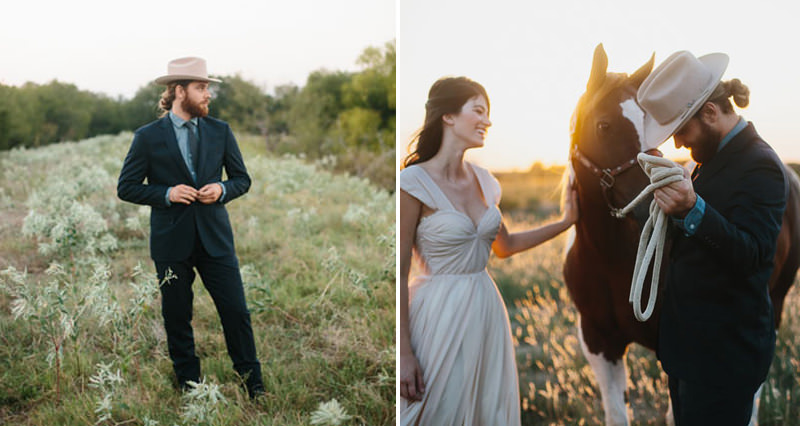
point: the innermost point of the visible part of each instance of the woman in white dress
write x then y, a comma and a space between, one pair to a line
457, 363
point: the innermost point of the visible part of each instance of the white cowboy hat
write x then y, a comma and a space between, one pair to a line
189, 68
675, 91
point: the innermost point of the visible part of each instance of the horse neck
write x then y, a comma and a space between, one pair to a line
605, 235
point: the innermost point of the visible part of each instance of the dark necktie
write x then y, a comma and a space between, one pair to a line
193, 144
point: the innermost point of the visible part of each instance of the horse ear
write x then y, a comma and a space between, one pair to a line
638, 77
599, 67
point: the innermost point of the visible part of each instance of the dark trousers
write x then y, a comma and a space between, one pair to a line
223, 281
703, 404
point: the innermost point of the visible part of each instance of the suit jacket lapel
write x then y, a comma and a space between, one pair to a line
172, 145
723, 157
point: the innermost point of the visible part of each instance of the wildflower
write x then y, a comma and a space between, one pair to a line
201, 402
168, 276
55, 269
67, 325
104, 408
20, 308
329, 413
145, 288
107, 243
104, 378
105, 381
355, 214
13, 275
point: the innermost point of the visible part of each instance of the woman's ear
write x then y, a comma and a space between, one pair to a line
448, 119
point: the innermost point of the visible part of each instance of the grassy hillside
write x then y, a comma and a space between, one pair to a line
81, 336
557, 385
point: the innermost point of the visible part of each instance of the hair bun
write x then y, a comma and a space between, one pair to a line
739, 92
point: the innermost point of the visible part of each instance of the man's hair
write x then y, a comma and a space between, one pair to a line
168, 96
731, 88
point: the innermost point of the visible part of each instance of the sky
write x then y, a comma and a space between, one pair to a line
533, 58
117, 47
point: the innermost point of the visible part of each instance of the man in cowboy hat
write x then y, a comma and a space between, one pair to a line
181, 156
717, 329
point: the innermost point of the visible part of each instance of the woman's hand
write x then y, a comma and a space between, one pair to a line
506, 244
571, 213
412, 385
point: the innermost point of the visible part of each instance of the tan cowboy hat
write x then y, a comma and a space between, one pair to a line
675, 91
189, 68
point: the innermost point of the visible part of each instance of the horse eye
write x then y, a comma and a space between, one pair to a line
602, 126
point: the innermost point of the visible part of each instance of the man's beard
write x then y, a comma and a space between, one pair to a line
195, 109
706, 145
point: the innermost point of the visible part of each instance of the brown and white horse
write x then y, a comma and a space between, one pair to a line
606, 130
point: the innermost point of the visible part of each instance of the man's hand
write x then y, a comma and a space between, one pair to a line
184, 194
210, 193
678, 198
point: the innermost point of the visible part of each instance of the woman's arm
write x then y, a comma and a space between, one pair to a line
506, 244
412, 385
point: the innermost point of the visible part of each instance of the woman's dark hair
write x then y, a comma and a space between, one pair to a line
446, 96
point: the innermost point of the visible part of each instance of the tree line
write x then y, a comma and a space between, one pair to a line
350, 115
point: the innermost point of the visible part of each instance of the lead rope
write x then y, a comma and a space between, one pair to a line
661, 172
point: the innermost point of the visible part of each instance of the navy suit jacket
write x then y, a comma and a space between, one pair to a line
717, 323
154, 157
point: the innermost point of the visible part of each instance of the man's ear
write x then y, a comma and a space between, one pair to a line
709, 112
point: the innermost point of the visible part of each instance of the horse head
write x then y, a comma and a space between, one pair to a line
606, 133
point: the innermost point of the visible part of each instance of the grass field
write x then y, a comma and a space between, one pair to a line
557, 385
81, 336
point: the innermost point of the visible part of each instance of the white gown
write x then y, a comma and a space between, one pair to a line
458, 323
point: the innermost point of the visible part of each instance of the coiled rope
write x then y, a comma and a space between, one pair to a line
661, 172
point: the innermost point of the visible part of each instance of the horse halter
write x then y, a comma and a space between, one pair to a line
608, 177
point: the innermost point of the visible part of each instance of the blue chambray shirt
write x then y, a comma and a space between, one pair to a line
182, 135
691, 222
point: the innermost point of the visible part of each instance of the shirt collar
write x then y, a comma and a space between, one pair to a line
735, 131
179, 122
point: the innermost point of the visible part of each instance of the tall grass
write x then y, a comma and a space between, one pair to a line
81, 335
557, 385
